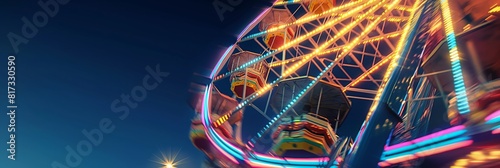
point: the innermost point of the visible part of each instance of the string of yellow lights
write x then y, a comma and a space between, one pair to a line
340, 34
325, 26
307, 57
370, 71
302, 38
495, 9
338, 48
309, 18
404, 8
368, 29
284, 2
365, 32
394, 62
372, 17
318, 50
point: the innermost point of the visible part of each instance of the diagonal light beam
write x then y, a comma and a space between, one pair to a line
298, 39
350, 46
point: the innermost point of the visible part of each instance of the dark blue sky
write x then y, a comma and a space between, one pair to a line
93, 51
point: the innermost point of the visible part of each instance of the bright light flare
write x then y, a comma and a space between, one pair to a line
170, 160
169, 165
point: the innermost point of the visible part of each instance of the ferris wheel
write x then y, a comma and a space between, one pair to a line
301, 65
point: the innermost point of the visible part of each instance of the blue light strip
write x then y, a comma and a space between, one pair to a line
427, 148
426, 143
232, 150
328, 68
494, 120
211, 132
294, 100
458, 80
238, 153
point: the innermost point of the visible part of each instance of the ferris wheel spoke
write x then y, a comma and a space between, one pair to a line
299, 39
304, 47
251, 98
367, 73
397, 55
341, 67
402, 8
307, 57
310, 40
336, 49
363, 53
305, 19
260, 111
386, 40
390, 19
350, 46
287, 2
362, 68
361, 90
331, 77
239, 48
377, 51
353, 53
340, 34
323, 46
262, 46
286, 67
345, 51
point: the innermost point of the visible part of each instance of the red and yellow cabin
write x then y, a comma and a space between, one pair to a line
306, 135
320, 6
249, 80
275, 19
277, 39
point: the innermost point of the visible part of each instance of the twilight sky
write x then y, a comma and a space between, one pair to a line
90, 54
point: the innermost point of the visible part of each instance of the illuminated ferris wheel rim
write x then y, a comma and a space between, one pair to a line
233, 152
237, 155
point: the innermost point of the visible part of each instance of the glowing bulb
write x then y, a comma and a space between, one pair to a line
170, 160
169, 165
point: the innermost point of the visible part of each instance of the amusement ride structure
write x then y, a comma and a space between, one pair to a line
305, 65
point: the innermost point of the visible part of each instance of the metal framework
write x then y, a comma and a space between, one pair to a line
349, 46
352, 43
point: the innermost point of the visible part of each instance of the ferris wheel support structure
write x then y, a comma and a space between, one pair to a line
384, 111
